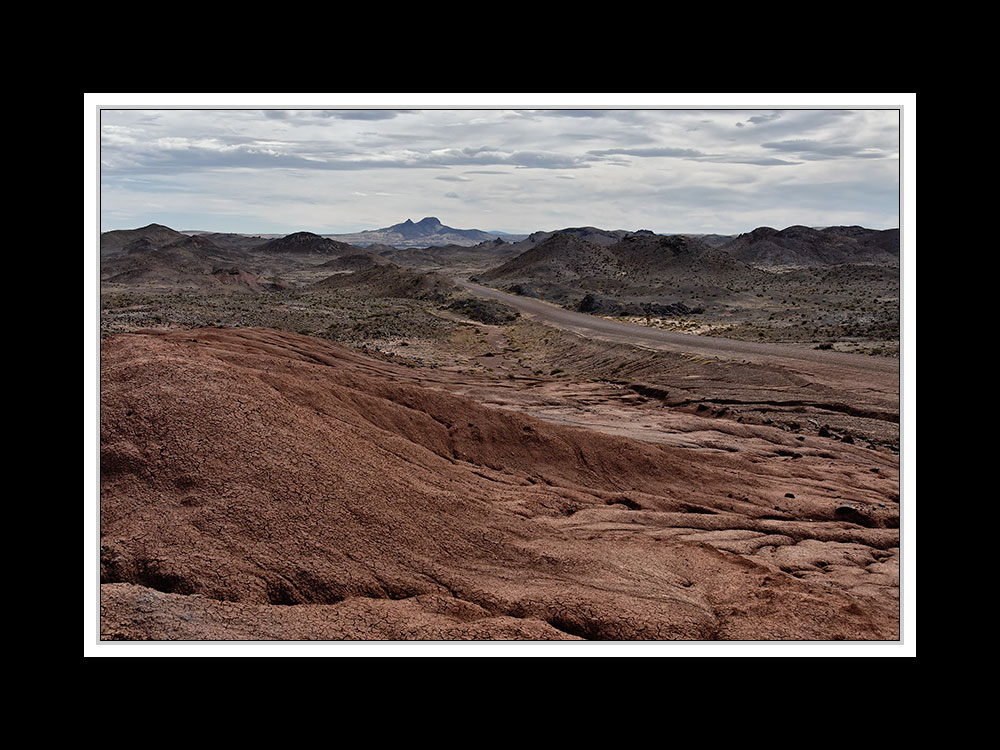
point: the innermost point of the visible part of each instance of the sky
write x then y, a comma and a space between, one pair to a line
270, 165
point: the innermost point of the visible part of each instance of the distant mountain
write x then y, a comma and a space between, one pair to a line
305, 243
806, 246
424, 233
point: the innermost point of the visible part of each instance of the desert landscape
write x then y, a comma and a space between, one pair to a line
481, 379
306, 439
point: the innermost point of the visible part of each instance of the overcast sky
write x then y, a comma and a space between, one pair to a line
516, 170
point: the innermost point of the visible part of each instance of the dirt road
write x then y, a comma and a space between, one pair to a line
656, 338
746, 372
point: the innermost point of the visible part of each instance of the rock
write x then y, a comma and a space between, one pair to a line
851, 514
522, 290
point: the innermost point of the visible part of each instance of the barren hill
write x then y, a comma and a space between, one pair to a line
305, 243
389, 280
156, 235
186, 263
264, 485
804, 246
635, 268
359, 261
647, 255
558, 256
232, 240
590, 234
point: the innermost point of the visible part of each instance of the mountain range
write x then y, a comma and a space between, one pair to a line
424, 233
596, 268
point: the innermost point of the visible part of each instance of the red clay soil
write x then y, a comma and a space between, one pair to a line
261, 485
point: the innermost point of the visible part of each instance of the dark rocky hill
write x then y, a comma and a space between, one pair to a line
306, 243
590, 234
650, 254
233, 241
715, 240
639, 267
155, 235
187, 263
805, 246
558, 259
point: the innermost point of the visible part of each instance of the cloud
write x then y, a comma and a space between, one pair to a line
363, 114
588, 113
481, 156
758, 119
760, 161
664, 151
303, 116
176, 153
692, 154
814, 150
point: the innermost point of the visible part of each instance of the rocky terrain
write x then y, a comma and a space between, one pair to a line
804, 246
664, 270
837, 287
389, 281
300, 490
358, 261
454, 259
183, 263
305, 439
